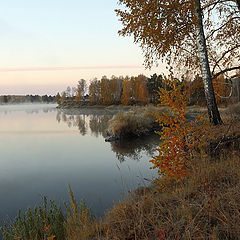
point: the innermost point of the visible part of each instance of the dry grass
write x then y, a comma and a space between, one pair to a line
80, 222
206, 205
233, 112
136, 122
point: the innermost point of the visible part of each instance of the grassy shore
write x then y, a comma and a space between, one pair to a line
138, 121
205, 205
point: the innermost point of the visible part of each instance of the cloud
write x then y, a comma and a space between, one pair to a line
40, 69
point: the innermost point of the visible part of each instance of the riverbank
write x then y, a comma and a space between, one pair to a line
86, 104
202, 206
136, 121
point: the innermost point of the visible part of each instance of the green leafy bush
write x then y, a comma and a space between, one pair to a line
40, 223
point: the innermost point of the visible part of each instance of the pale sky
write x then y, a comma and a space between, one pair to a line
48, 45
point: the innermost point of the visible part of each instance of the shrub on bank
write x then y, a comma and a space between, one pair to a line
137, 121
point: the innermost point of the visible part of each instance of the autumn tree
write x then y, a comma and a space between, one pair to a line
64, 96
172, 30
127, 91
116, 88
140, 92
81, 89
154, 83
223, 35
221, 25
94, 91
106, 95
58, 98
181, 139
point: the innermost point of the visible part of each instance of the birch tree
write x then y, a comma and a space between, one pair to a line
173, 31
213, 112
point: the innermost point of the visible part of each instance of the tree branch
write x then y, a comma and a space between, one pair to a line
222, 26
224, 71
224, 54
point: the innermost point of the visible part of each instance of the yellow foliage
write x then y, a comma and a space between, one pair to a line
180, 138
127, 91
58, 98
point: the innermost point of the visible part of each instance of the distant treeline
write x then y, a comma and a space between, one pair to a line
27, 98
139, 90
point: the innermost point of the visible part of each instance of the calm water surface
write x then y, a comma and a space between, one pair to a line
43, 150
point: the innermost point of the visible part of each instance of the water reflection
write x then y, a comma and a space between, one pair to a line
96, 122
41, 153
99, 124
85, 120
133, 148
28, 108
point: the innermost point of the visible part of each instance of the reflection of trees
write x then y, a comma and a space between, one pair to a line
28, 108
81, 124
97, 123
40, 110
78, 121
132, 148
32, 111
58, 116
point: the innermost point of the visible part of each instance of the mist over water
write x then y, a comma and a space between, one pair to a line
44, 149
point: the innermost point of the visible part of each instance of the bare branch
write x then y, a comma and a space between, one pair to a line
222, 26
224, 71
224, 54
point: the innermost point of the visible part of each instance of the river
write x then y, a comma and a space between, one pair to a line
44, 149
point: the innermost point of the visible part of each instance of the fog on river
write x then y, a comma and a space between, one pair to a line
43, 149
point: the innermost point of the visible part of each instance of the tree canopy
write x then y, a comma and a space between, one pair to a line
195, 35
166, 30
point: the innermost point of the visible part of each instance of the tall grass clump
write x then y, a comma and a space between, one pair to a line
136, 122
41, 223
80, 223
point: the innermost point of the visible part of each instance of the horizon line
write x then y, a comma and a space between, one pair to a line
40, 69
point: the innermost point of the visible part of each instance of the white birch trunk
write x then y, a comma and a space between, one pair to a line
213, 112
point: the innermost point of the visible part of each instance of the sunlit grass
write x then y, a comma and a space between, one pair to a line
137, 121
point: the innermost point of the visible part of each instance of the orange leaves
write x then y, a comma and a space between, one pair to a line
140, 92
159, 26
46, 229
178, 136
64, 96
52, 237
94, 91
165, 30
105, 91
58, 98
127, 92
135, 90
